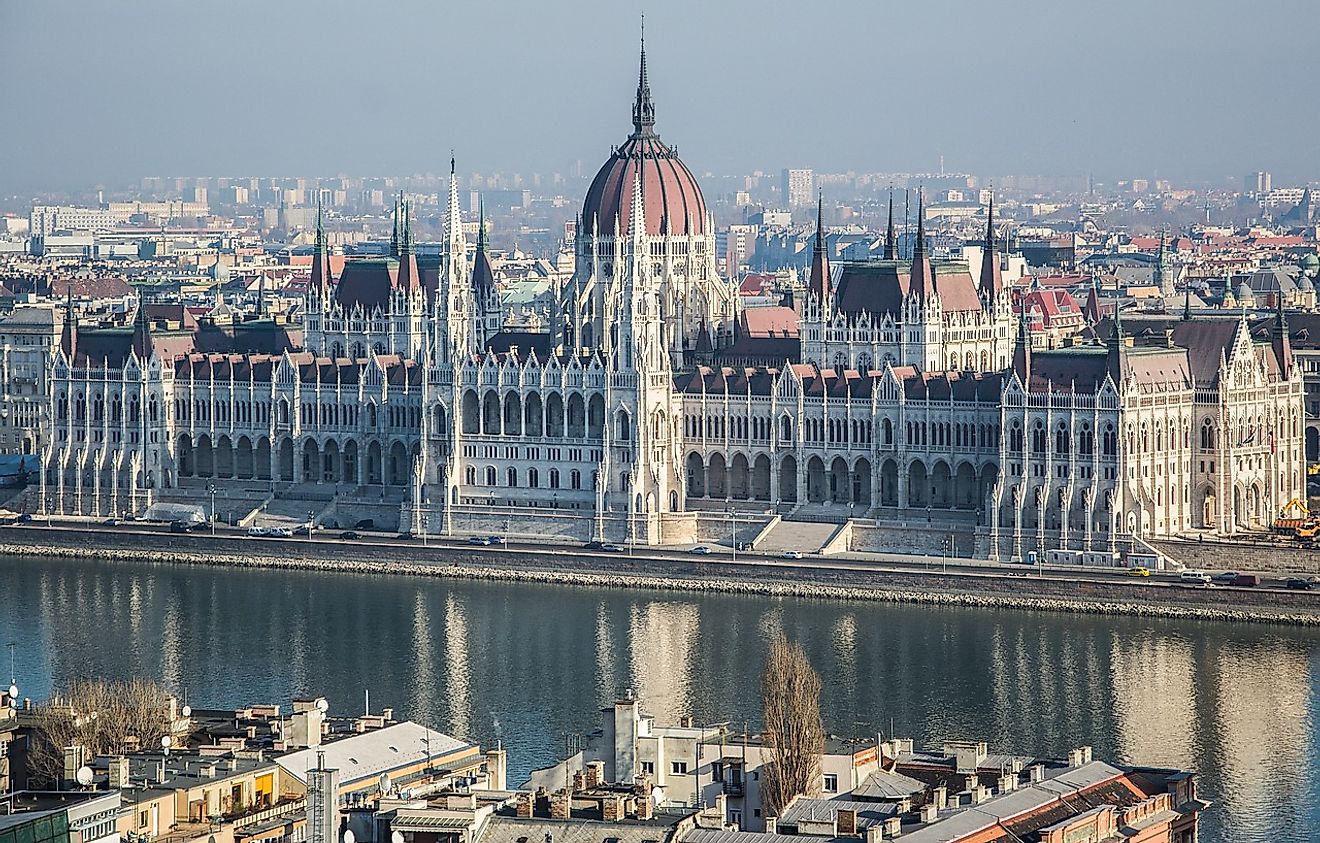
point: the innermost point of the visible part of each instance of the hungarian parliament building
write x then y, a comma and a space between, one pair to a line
911, 401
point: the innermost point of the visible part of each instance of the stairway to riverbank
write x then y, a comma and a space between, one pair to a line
804, 536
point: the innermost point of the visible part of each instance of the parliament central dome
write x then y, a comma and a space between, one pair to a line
674, 204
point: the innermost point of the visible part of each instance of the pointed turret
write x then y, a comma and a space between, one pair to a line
1187, 303
637, 221
891, 243
69, 334
483, 277
991, 280
409, 277
1022, 349
922, 281
1115, 343
395, 238
142, 345
643, 108
1281, 342
321, 260
819, 283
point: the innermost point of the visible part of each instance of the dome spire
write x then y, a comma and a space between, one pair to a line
643, 108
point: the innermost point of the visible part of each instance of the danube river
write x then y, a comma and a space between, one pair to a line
530, 665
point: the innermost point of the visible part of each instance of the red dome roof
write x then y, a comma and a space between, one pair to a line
673, 200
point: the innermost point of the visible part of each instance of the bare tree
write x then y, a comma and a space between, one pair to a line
103, 716
790, 696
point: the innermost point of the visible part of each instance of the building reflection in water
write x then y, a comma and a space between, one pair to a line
662, 647
1237, 703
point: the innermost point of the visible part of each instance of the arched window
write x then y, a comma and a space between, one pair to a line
786, 429
512, 475
1207, 435
471, 475
490, 475
554, 478
1061, 440
1087, 440
1038, 437
533, 479
1110, 441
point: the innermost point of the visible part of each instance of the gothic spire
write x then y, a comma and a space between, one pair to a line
891, 244
1022, 349
69, 334
921, 282
991, 279
643, 108
142, 331
1280, 340
394, 238
321, 259
1187, 303
820, 260
483, 276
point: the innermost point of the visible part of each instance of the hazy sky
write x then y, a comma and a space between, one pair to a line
115, 89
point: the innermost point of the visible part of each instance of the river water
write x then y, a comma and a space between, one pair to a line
531, 664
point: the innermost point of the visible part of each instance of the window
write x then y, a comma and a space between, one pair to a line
678, 768
831, 783
648, 767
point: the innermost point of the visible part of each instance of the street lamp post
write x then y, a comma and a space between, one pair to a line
210, 487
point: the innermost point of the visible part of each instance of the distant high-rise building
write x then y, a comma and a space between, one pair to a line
1258, 182
798, 185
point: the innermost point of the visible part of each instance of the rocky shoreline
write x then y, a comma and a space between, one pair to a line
634, 574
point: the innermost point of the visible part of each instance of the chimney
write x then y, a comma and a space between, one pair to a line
645, 807
980, 793
595, 773
771, 825
1074, 758
1007, 783
561, 805
387, 714
1036, 773
685, 721
904, 805
579, 781
929, 813
497, 765
846, 822
893, 827
611, 807
875, 833
541, 804
73, 760
523, 807
940, 796
119, 772
1168, 337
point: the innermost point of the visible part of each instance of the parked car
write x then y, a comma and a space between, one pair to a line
700, 550
1224, 578
479, 540
110, 522
1299, 583
792, 554
365, 524
350, 534
611, 548
1138, 571
304, 530
181, 527
406, 534
495, 539
1195, 577
745, 546
593, 545
1246, 580
256, 531
25, 518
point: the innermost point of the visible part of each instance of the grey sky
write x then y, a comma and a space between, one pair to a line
115, 89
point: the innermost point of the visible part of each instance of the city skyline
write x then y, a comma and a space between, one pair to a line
409, 82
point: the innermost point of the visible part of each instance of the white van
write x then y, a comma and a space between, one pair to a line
1197, 577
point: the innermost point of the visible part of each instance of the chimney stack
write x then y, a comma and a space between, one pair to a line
929, 813
1007, 783
939, 796
595, 773
893, 827
1036, 773
119, 772
561, 805
523, 807
846, 822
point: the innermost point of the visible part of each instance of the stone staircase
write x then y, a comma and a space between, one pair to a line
804, 536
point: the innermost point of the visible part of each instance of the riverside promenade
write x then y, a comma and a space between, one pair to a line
895, 579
